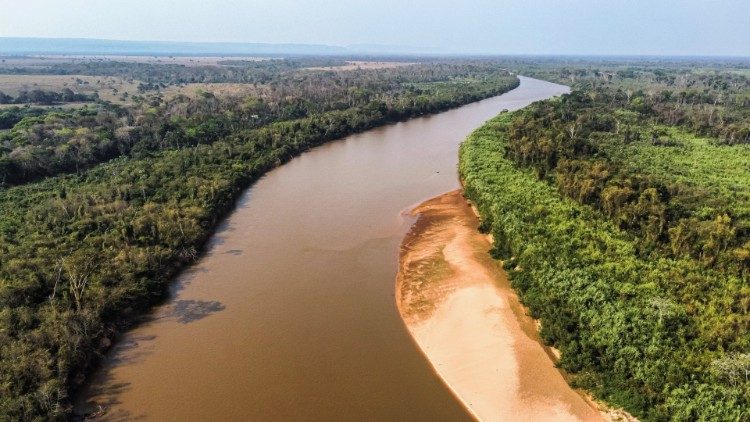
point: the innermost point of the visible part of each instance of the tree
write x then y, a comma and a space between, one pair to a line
733, 368
664, 307
78, 268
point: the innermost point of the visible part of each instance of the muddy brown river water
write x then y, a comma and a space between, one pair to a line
290, 314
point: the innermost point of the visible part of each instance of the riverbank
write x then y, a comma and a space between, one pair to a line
303, 253
175, 201
458, 305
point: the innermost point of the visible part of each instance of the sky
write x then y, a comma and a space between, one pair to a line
610, 27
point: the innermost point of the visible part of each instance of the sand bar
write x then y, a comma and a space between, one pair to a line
458, 305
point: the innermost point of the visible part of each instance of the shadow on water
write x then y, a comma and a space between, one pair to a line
106, 394
186, 278
100, 407
186, 311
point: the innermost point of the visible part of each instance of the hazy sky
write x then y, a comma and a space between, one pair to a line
672, 27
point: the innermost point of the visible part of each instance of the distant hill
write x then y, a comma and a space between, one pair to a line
378, 49
75, 46
71, 46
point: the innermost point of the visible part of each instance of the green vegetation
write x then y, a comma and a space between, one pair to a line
39, 96
681, 194
85, 251
707, 98
627, 231
64, 141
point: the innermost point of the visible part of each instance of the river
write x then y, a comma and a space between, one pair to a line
290, 313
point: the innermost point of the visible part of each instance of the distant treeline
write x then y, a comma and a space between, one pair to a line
39, 96
712, 101
298, 63
237, 71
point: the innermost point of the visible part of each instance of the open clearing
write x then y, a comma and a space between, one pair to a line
109, 88
113, 89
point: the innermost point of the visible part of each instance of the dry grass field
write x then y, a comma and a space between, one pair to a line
363, 65
112, 89
119, 90
109, 88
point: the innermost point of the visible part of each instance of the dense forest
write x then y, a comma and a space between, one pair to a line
61, 140
100, 206
622, 213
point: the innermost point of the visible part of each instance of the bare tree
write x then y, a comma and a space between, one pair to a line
664, 307
78, 269
57, 280
573, 129
734, 368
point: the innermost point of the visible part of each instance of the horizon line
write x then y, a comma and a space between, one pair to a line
413, 51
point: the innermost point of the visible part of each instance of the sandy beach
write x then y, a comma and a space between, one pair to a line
458, 305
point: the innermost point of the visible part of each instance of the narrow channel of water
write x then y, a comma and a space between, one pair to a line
290, 315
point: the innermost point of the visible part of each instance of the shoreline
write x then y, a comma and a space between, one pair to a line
121, 325
458, 306
406, 378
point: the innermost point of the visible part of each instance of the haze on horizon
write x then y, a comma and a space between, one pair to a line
627, 27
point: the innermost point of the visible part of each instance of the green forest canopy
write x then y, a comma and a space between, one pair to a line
621, 213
